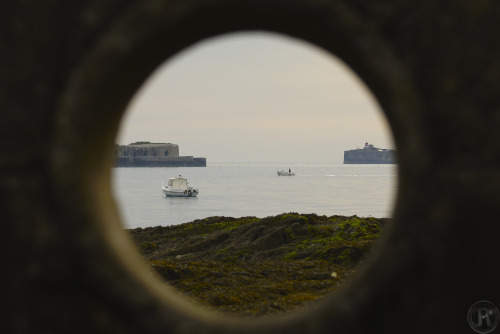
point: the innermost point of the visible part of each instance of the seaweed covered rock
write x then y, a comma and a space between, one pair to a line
258, 267
337, 239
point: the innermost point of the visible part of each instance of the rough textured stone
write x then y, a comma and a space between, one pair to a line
154, 155
370, 154
69, 69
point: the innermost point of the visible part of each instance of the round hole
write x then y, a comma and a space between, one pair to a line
302, 105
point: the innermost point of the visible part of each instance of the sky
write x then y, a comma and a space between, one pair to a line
256, 97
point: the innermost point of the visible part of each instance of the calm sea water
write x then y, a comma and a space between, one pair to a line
254, 189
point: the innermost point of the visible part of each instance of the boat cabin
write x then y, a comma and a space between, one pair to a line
179, 183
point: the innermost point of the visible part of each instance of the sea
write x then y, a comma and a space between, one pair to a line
255, 189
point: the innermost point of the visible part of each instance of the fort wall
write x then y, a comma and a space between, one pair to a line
147, 150
154, 155
370, 155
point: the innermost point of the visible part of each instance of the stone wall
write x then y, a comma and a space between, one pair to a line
184, 161
147, 150
365, 156
70, 68
154, 155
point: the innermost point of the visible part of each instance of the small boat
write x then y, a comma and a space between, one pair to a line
178, 187
285, 173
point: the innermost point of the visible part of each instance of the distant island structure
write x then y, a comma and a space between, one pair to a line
370, 155
146, 154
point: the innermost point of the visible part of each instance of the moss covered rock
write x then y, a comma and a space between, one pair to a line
252, 266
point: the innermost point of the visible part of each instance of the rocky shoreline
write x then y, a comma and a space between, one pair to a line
259, 266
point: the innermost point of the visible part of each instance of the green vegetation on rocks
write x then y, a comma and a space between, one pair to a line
252, 266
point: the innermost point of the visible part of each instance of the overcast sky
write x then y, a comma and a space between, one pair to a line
256, 97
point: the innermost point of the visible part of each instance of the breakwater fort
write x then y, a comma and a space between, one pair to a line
370, 154
146, 154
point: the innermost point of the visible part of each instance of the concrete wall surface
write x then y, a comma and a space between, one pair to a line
69, 68
185, 161
147, 150
375, 156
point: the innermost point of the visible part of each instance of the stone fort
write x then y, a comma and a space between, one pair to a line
146, 154
370, 154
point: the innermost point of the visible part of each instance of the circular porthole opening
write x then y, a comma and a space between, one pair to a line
253, 242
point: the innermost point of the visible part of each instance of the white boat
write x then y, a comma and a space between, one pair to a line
285, 173
178, 187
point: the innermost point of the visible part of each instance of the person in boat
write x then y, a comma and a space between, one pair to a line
289, 170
